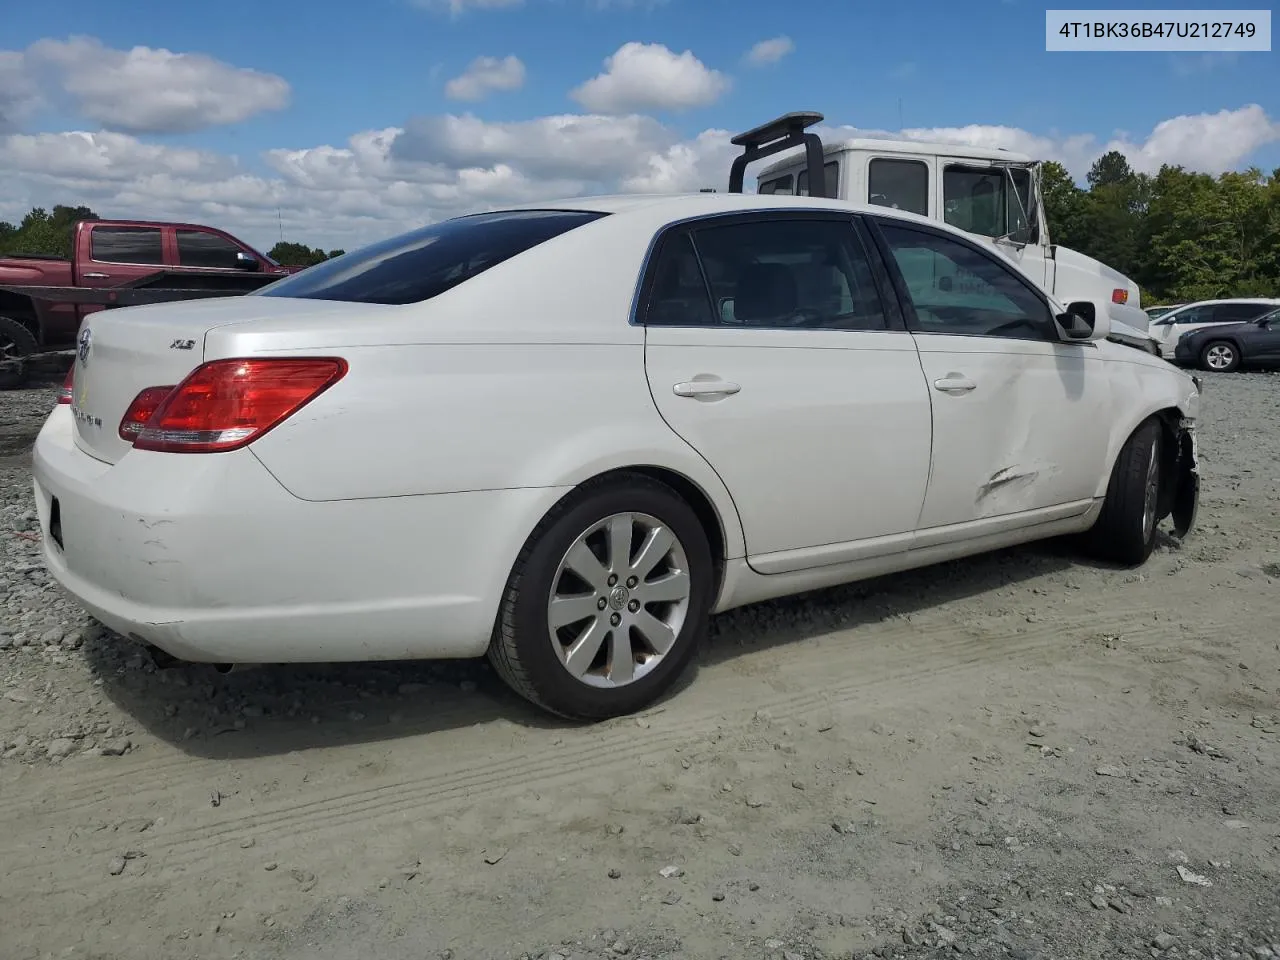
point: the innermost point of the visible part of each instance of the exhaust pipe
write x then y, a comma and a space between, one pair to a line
225, 668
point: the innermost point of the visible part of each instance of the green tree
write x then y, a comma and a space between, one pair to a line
1064, 205
43, 232
297, 254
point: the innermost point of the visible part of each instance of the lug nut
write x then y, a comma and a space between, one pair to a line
633, 606
613, 579
601, 603
631, 582
615, 619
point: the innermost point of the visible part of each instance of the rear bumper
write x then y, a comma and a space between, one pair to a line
209, 558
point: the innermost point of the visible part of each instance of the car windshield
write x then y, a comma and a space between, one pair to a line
424, 263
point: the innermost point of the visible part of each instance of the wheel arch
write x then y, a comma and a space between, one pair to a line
723, 533
20, 309
1177, 459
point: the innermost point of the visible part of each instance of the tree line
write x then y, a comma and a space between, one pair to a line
1181, 235
50, 232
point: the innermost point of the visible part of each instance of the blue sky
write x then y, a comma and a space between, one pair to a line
375, 65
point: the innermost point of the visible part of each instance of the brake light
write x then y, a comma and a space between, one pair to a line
141, 411
68, 385
1119, 295
227, 404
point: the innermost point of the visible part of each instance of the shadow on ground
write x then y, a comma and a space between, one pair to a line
276, 709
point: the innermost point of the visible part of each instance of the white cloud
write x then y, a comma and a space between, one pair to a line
485, 75
19, 96
769, 51
648, 76
1210, 142
142, 90
588, 148
379, 182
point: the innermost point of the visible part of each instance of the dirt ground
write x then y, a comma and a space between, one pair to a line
1019, 756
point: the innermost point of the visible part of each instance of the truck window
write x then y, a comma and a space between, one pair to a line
978, 200
900, 184
777, 185
830, 176
199, 248
126, 245
424, 263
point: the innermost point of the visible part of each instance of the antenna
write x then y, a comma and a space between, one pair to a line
280, 222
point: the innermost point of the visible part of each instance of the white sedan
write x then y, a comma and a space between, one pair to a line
563, 436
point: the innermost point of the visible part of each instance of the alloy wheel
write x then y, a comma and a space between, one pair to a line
618, 600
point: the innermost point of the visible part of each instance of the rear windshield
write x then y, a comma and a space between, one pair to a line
424, 263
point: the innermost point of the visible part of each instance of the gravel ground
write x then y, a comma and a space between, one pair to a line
1017, 756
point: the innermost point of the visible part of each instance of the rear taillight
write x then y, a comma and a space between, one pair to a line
141, 411
68, 385
1119, 295
226, 404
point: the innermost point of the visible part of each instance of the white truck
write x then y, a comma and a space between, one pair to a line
993, 194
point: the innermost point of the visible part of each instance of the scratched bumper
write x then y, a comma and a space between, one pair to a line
211, 559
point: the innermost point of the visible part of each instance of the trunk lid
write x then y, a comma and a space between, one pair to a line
122, 352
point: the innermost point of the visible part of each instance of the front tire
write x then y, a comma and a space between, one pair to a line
1125, 531
607, 601
1220, 356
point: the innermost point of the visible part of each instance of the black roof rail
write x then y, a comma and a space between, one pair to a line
780, 134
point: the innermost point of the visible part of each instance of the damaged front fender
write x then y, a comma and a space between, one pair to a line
1186, 473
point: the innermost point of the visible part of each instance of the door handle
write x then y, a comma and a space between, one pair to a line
955, 384
97, 276
705, 388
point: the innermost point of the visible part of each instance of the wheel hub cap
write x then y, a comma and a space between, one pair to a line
618, 600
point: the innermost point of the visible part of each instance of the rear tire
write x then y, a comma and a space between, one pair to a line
1220, 356
16, 341
622, 609
1125, 531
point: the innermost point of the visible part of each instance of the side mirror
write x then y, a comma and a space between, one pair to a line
1079, 322
246, 262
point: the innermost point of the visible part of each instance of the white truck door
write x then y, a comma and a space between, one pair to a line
980, 198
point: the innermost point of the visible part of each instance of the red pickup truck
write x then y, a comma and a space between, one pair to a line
115, 263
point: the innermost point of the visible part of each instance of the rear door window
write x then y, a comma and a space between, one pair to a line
768, 274
1238, 312
424, 263
126, 245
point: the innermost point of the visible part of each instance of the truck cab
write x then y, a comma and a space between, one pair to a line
991, 193
113, 254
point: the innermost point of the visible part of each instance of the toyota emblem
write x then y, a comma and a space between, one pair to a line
86, 344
